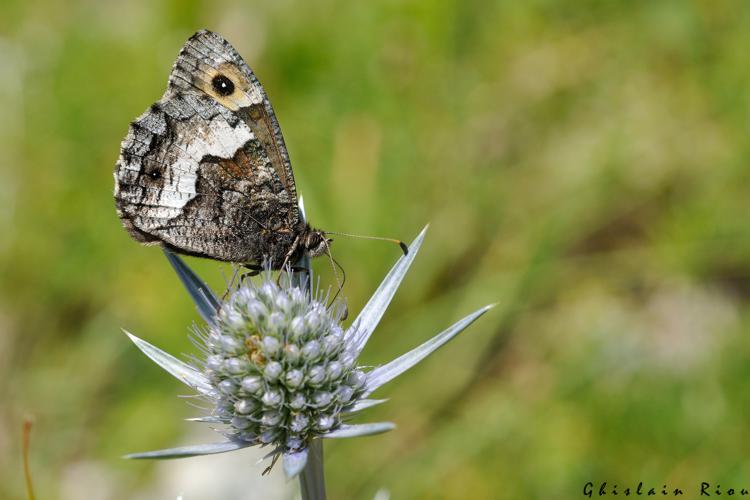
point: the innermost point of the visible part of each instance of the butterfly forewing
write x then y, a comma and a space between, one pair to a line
204, 171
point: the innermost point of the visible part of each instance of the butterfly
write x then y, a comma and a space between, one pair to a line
205, 172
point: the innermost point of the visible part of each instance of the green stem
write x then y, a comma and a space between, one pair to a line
311, 479
27, 469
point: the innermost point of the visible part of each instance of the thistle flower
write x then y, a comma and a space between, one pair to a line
281, 371
280, 366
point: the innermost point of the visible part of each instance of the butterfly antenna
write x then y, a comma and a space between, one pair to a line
345, 312
400, 243
343, 277
339, 281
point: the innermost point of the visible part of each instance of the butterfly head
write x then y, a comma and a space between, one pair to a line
315, 242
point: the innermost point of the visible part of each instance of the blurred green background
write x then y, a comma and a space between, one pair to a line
583, 164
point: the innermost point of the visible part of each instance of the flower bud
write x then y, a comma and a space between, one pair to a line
272, 371
311, 351
313, 321
294, 378
356, 379
257, 311
334, 370
248, 436
268, 436
237, 366
245, 406
299, 423
233, 318
292, 354
297, 401
230, 345
271, 346
344, 394
241, 423
347, 359
272, 398
276, 322
282, 303
297, 328
266, 292
325, 422
270, 418
252, 384
331, 345
214, 362
321, 399
227, 386
316, 376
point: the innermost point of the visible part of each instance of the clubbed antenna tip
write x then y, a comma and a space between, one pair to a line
400, 243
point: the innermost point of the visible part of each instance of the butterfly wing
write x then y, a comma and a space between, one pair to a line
205, 170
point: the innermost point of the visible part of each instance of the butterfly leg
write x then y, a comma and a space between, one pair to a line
253, 270
291, 251
288, 256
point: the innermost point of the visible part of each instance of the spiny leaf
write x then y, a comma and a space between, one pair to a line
362, 327
389, 371
347, 431
191, 451
180, 370
204, 298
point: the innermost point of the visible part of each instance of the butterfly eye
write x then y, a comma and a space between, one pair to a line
222, 85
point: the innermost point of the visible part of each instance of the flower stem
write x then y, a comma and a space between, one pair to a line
27, 469
311, 479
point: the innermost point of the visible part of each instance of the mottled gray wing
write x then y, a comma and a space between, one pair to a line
205, 170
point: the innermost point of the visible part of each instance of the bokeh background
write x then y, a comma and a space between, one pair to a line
583, 164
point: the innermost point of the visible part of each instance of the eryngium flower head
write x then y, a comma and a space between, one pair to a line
280, 366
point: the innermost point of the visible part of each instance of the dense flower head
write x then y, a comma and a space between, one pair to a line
280, 367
